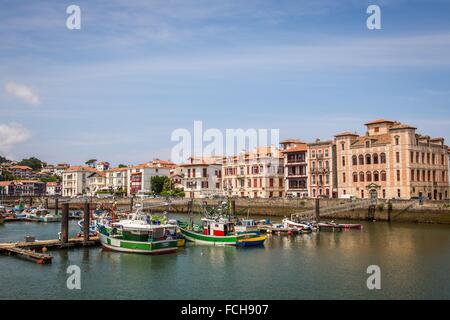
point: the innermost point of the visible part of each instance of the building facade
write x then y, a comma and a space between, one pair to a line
53, 189
392, 161
139, 177
117, 178
74, 180
255, 174
96, 181
295, 168
22, 188
202, 177
322, 180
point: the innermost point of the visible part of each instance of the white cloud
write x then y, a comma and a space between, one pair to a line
23, 92
10, 135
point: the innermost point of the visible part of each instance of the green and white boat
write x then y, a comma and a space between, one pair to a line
139, 234
220, 232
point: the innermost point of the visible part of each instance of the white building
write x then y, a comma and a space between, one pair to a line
102, 166
96, 181
202, 177
139, 177
53, 189
74, 180
117, 179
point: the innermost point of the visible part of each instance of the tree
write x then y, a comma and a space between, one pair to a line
91, 162
157, 184
50, 179
34, 163
6, 176
4, 160
122, 166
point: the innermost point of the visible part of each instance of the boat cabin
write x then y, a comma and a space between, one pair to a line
143, 233
217, 228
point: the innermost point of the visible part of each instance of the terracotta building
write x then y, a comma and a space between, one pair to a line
295, 168
202, 177
322, 180
391, 161
254, 174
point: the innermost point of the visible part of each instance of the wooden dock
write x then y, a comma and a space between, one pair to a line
30, 250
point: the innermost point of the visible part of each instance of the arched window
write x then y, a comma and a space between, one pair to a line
397, 140
355, 160
355, 177
361, 177
368, 159
375, 158
382, 158
368, 176
376, 176
383, 175
361, 160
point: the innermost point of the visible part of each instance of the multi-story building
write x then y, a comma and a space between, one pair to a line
102, 166
392, 161
117, 178
202, 177
96, 181
139, 177
22, 188
74, 180
295, 168
53, 189
322, 180
254, 174
21, 171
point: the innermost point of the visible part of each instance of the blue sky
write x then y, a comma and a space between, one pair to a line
116, 89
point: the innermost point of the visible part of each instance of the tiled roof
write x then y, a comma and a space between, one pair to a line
399, 126
299, 148
346, 133
80, 168
378, 139
379, 121
19, 167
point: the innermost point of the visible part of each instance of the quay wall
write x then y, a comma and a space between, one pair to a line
429, 211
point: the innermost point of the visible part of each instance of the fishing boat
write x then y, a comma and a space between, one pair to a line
137, 237
246, 226
220, 232
329, 226
351, 225
302, 227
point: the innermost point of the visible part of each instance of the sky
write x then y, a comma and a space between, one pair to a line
117, 88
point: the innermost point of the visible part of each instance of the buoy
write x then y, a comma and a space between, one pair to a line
44, 250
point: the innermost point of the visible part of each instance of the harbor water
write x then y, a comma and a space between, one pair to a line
414, 260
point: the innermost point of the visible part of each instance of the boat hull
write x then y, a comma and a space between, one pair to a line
155, 247
239, 240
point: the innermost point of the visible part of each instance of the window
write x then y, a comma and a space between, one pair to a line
397, 157
326, 152
343, 161
384, 193
377, 129
327, 179
343, 146
411, 157
355, 177
313, 154
418, 175
354, 161
398, 175
343, 177
412, 174
361, 176
271, 182
417, 157
362, 193
397, 141
368, 176
398, 193
368, 159
376, 176
383, 175
361, 159
375, 158
382, 158
367, 144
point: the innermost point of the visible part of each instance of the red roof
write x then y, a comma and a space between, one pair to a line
379, 121
21, 167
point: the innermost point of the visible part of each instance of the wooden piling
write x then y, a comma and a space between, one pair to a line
389, 211
317, 207
46, 203
30, 201
65, 223
56, 206
86, 222
132, 203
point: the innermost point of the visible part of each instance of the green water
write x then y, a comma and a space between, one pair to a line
414, 261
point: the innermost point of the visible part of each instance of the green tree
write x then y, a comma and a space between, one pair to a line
6, 176
122, 166
157, 184
91, 162
33, 163
4, 160
50, 179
